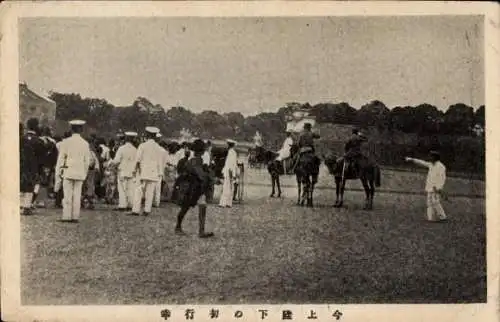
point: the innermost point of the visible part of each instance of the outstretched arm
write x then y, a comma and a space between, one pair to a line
419, 162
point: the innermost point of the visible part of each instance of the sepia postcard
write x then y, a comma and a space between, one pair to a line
249, 161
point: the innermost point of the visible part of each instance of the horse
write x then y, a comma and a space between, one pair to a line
306, 170
369, 174
256, 157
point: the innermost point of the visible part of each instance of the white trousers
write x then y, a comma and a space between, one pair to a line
226, 198
72, 198
435, 210
25, 199
146, 189
126, 191
283, 154
157, 194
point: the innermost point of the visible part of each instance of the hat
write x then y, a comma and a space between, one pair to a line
131, 133
152, 129
230, 141
32, 124
198, 146
77, 122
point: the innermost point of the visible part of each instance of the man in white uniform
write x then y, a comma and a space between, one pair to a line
229, 173
163, 159
125, 158
149, 167
73, 163
436, 178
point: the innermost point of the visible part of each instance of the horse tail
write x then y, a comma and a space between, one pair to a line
377, 176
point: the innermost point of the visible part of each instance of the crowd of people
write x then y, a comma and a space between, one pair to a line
133, 172
138, 172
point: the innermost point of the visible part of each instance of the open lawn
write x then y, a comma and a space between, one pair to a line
265, 251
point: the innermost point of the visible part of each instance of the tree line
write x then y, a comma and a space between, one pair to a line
455, 130
424, 119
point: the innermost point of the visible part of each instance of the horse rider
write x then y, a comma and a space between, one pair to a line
284, 152
306, 140
352, 150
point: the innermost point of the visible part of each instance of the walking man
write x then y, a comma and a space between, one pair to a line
436, 178
73, 163
149, 169
229, 173
193, 189
125, 158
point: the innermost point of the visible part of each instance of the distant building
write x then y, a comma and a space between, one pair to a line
146, 106
32, 104
299, 116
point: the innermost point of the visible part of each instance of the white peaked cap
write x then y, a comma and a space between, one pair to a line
230, 141
77, 122
131, 133
152, 129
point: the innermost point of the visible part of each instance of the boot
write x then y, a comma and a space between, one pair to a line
202, 216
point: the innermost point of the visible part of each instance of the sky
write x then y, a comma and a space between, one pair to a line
254, 64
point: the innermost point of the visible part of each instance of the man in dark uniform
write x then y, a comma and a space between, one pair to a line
193, 189
31, 153
352, 150
306, 139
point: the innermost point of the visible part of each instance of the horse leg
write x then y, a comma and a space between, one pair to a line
337, 192
278, 183
342, 188
310, 197
305, 189
272, 184
367, 193
372, 194
299, 187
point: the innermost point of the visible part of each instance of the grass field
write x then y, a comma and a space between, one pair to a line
265, 251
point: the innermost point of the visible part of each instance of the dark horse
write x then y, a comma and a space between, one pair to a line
306, 170
368, 172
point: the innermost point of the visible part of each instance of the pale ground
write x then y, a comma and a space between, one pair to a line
265, 251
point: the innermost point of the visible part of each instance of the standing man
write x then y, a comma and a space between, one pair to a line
149, 169
193, 189
125, 158
207, 163
436, 177
73, 163
162, 159
32, 150
229, 173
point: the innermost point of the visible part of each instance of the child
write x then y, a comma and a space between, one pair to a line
193, 187
436, 178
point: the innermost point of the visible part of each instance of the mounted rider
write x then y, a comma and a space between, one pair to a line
306, 140
352, 151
